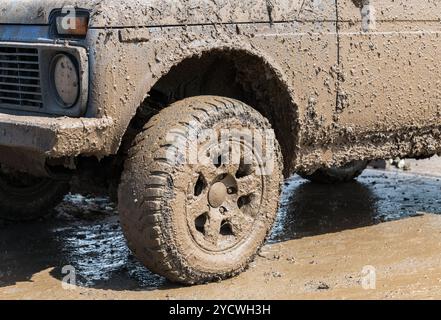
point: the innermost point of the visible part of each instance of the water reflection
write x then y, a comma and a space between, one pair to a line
309, 209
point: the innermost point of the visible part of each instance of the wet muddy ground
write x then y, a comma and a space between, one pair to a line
325, 236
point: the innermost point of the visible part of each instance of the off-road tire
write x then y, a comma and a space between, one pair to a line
21, 203
343, 174
153, 196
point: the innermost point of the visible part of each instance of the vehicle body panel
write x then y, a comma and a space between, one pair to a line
390, 64
335, 114
131, 13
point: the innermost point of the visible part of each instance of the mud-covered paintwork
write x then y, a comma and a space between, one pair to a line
344, 84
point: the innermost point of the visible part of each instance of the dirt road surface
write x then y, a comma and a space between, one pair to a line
378, 238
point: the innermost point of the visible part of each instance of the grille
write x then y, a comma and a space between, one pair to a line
20, 78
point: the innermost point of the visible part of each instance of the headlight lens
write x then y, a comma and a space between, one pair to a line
65, 79
72, 26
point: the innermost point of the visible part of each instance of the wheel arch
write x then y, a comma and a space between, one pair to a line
245, 74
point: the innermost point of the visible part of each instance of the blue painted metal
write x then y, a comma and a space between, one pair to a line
25, 33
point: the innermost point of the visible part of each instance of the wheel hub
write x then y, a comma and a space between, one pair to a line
217, 195
224, 199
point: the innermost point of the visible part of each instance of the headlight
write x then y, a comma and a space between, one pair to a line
65, 79
70, 22
72, 26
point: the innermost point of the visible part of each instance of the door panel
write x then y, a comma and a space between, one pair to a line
390, 64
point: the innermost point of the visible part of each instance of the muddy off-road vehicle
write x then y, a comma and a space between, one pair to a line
102, 95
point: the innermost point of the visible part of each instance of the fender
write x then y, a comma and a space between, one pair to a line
129, 62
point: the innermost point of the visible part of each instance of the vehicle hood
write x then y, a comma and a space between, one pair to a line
117, 13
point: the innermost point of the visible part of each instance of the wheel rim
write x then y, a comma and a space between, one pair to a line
224, 197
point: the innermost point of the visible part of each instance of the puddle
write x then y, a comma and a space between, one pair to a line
86, 233
309, 209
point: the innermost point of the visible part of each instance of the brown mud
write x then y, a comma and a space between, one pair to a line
323, 239
338, 81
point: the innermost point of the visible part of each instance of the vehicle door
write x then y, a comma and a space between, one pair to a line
390, 64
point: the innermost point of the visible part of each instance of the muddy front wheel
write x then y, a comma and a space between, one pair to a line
200, 219
25, 198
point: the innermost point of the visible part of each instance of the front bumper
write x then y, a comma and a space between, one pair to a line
31, 133
55, 137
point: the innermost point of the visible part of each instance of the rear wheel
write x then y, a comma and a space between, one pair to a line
346, 173
205, 220
24, 197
